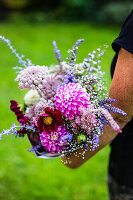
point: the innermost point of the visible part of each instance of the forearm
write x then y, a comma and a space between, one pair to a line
122, 90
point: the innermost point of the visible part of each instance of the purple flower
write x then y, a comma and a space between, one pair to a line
57, 52
95, 142
73, 52
69, 78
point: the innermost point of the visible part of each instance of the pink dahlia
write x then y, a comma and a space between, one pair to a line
70, 98
54, 142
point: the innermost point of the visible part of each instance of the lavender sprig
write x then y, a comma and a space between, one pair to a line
105, 103
69, 78
24, 62
13, 129
57, 54
72, 57
108, 100
114, 109
91, 64
35, 148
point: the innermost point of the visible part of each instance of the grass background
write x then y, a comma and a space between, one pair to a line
22, 175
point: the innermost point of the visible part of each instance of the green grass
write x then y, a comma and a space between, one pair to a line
22, 175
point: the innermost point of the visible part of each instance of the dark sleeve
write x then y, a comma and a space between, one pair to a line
125, 38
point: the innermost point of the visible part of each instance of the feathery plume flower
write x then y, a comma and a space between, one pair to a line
54, 142
112, 122
70, 98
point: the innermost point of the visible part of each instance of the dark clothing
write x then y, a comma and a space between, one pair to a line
121, 156
125, 38
119, 192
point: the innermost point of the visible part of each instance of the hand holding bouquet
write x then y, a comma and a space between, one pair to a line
66, 106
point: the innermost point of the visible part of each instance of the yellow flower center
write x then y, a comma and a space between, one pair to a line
53, 137
48, 120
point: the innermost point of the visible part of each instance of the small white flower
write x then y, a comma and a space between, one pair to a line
31, 97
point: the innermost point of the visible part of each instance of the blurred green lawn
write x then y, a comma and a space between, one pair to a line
22, 175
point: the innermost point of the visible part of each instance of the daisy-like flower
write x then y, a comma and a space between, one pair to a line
54, 142
49, 121
70, 98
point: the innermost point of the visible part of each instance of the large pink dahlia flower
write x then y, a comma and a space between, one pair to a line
70, 98
54, 142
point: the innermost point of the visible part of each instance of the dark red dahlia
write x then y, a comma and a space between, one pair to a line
49, 121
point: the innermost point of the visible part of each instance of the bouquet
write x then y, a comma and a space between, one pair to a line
66, 106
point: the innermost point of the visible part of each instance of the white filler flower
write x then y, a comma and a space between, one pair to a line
31, 97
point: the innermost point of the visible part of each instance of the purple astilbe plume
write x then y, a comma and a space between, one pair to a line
57, 53
49, 87
53, 142
72, 57
70, 98
33, 77
24, 62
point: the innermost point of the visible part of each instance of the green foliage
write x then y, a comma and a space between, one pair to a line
41, 11
22, 175
116, 12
